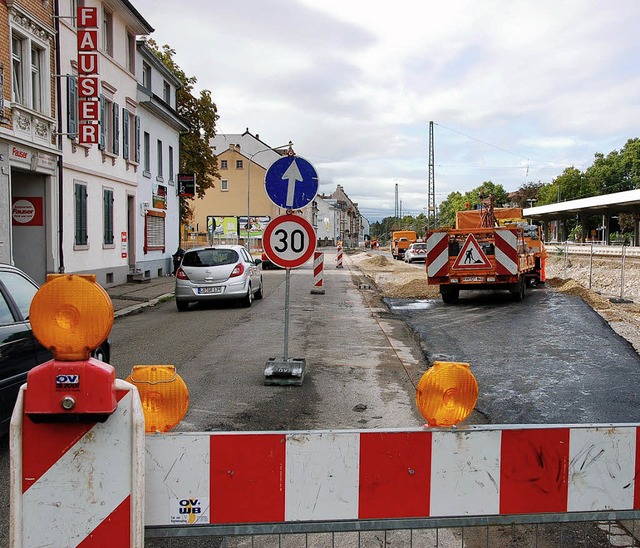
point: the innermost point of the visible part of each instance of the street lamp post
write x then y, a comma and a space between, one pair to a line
282, 147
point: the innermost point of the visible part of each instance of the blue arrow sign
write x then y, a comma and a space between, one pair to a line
291, 182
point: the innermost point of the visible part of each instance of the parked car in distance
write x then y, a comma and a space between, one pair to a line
267, 264
217, 273
416, 252
20, 351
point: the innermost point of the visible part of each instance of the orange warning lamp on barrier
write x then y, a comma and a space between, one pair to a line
163, 394
71, 315
447, 393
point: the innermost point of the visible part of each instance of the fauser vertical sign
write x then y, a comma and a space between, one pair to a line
88, 83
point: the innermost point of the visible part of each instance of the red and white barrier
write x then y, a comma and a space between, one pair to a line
318, 271
79, 483
339, 257
238, 477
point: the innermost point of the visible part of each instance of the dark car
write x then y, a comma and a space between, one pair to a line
19, 349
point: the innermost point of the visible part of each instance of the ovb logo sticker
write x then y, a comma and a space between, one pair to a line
67, 381
190, 510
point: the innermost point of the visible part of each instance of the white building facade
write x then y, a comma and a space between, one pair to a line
157, 226
99, 187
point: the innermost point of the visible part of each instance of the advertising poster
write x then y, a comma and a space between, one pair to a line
27, 211
256, 227
159, 196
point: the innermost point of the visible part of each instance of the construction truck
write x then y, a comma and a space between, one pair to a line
488, 249
400, 242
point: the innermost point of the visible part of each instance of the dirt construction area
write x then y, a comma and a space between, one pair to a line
396, 279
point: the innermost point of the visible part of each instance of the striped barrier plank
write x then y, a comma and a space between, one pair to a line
227, 478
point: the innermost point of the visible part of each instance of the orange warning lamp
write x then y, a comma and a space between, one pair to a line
447, 393
71, 315
163, 393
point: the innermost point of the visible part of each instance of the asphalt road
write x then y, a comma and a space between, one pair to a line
548, 359
221, 350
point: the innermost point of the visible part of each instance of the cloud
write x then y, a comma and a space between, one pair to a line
519, 90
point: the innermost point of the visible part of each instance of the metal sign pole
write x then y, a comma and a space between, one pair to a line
286, 314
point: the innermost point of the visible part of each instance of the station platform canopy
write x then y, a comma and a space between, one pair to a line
607, 204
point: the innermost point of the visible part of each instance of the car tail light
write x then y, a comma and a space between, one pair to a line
181, 275
237, 271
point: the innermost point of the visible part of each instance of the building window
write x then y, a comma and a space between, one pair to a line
107, 209
154, 231
223, 164
147, 153
159, 158
29, 73
136, 138
130, 136
166, 92
224, 185
107, 32
36, 78
170, 174
238, 164
109, 125
17, 76
146, 76
72, 108
81, 214
131, 52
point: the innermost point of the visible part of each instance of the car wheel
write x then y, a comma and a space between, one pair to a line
259, 293
248, 298
100, 354
182, 306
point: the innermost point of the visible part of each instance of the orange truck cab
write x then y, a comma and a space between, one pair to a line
400, 241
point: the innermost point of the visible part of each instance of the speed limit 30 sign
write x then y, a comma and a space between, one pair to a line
289, 241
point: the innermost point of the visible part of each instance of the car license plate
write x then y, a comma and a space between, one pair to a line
207, 290
473, 279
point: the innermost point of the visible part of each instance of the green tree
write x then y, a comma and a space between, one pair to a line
629, 165
453, 203
471, 200
527, 194
477, 196
201, 113
604, 174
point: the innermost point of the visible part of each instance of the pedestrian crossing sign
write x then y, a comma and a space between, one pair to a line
471, 256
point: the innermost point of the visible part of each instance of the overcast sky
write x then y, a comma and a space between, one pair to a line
517, 90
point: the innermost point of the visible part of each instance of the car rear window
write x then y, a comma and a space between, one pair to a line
210, 257
21, 290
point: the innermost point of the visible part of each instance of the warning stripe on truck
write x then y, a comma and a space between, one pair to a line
506, 243
437, 254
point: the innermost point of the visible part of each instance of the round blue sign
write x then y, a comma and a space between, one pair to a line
291, 182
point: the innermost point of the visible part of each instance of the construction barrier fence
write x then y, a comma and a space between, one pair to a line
319, 483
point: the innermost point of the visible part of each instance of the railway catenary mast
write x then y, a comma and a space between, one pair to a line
431, 185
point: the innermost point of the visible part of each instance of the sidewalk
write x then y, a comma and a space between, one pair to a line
132, 296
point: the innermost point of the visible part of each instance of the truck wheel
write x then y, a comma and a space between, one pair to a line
519, 291
449, 294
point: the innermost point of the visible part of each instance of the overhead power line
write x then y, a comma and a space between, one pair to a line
483, 142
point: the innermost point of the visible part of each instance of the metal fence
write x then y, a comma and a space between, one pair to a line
603, 268
594, 532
